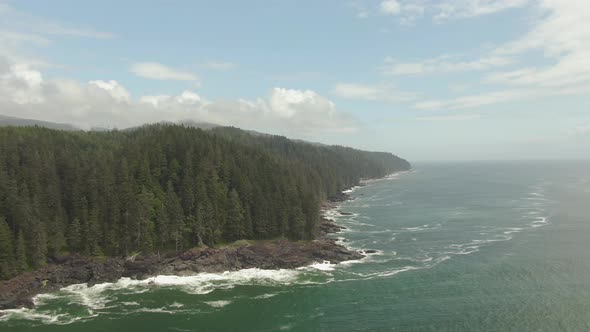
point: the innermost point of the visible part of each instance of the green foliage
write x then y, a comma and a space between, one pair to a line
163, 187
235, 227
20, 254
7, 265
74, 236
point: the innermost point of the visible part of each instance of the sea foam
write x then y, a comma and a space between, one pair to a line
218, 304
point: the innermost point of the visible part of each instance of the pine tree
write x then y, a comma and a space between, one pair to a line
143, 214
209, 224
188, 195
55, 236
37, 244
197, 226
296, 224
7, 264
175, 216
74, 235
20, 253
234, 225
162, 224
91, 245
84, 219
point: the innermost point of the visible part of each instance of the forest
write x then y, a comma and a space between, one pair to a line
163, 187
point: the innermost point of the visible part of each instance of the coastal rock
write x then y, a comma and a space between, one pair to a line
275, 254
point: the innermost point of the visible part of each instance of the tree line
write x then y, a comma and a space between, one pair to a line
162, 187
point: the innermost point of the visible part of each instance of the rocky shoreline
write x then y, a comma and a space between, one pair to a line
272, 254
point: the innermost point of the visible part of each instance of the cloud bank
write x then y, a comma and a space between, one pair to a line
561, 36
24, 92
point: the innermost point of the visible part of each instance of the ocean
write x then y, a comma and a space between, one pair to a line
470, 246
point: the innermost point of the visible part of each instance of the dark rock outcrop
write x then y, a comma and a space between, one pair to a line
277, 254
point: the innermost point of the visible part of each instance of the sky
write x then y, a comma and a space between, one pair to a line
424, 79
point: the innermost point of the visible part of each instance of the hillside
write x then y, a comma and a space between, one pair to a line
19, 122
162, 188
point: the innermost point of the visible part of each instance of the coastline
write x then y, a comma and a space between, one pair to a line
21, 290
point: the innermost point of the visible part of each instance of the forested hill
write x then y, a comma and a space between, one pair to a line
162, 187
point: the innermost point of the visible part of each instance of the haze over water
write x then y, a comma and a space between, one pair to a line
461, 247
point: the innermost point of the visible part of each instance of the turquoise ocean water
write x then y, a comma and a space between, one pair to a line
461, 247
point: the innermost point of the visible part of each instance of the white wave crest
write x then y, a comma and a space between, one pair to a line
426, 227
265, 296
131, 303
513, 230
323, 266
96, 297
218, 304
351, 190
539, 222
34, 315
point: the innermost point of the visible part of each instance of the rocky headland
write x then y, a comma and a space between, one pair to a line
270, 254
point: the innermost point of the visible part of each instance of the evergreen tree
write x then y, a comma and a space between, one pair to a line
175, 216
143, 214
20, 253
234, 226
7, 264
55, 236
91, 245
74, 236
37, 244
165, 187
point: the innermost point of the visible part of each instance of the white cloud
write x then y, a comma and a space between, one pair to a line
362, 9
452, 117
444, 64
390, 7
26, 24
157, 71
156, 100
308, 111
471, 8
371, 92
221, 65
287, 102
411, 12
24, 92
21, 34
189, 98
18, 38
362, 14
407, 11
117, 91
562, 37
185, 98
472, 101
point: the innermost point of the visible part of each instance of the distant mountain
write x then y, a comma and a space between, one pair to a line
202, 125
18, 122
21, 122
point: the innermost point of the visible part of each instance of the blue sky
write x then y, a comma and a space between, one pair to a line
428, 80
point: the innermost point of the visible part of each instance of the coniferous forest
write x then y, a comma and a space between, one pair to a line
163, 188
